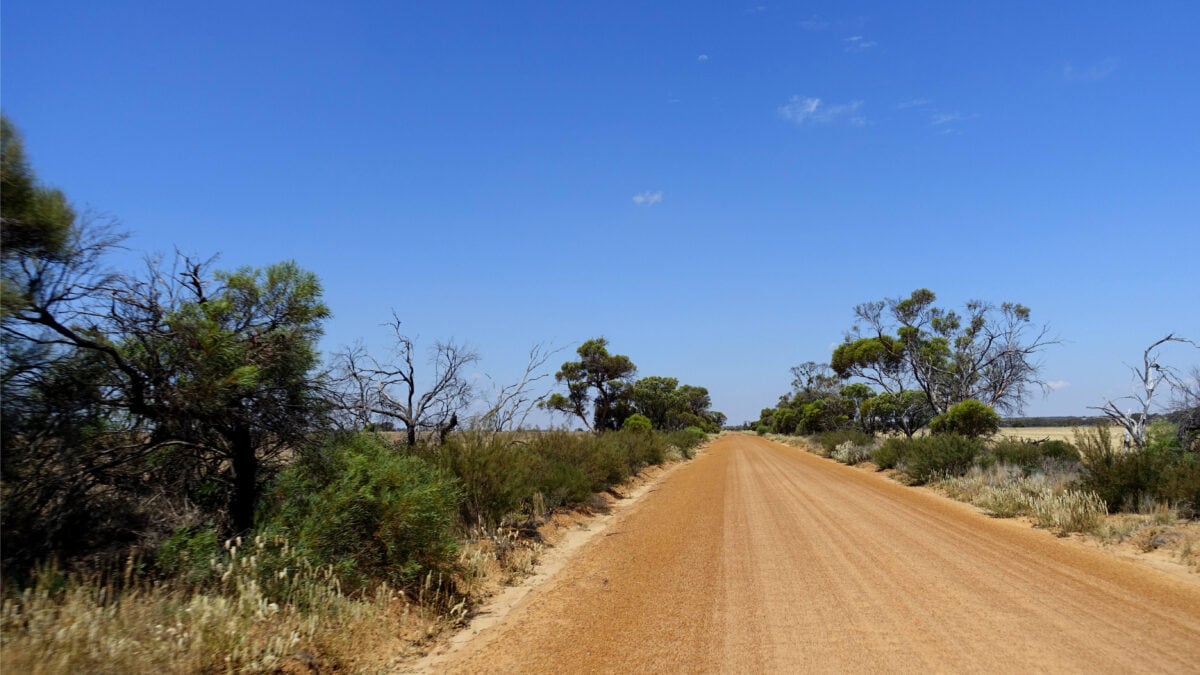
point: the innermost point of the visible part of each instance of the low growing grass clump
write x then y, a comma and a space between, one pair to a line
851, 453
236, 623
1070, 511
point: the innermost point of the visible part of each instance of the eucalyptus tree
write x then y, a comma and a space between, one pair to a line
987, 353
599, 387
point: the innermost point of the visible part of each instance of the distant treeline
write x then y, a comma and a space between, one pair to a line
1066, 421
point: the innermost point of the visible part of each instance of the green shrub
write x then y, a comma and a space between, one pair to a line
637, 422
187, 554
495, 471
370, 513
1161, 472
830, 440
890, 455
967, 418
940, 455
1031, 456
687, 439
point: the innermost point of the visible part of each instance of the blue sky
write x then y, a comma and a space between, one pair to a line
711, 186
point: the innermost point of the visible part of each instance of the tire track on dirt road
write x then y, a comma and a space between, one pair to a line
757, 557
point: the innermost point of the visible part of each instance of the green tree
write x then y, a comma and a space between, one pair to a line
35, 220
599, 382
209, 374
670, 406
906, 412
987, 353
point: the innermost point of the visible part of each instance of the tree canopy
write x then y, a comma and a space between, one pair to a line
598, 387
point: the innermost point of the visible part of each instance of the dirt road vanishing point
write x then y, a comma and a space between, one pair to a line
757, 557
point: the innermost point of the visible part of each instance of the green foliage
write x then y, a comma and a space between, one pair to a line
891, 454
671, 406
924, 459
831, 439
906, 412
687, 439
37, 219
370, 513
637, 422
596, 370
187, 554
1031, 456
1161, 472
985, 353
967, 418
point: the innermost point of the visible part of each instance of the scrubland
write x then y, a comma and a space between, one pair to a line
369, 552
1070, 481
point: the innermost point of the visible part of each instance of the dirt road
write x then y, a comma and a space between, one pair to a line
757, 557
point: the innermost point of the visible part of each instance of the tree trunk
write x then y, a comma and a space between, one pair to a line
412, 434
244, 460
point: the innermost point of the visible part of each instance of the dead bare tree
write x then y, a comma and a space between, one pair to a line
372, 389
511, 405
1150, 376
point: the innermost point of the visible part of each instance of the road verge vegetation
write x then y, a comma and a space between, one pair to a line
363, 542
1145, 500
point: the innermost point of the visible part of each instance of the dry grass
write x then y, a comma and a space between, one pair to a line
301, 622
72, 625
1048, 433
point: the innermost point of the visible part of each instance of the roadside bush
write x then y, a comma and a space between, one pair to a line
890, 455
939, 455
969, 418
187, 554
687, 439
830, 440
370, 513
495, 472
1030, 456
1159, 473
637, 422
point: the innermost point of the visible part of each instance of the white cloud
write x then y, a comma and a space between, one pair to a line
648, 198
857, 43
815, 23
938, 119
912, 103
1093, 73
1055, 385
802, 110
702, 57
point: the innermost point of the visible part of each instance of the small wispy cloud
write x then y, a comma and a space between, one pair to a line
1093, 73
857, 43
702, 57
815, 23
804, 110
939, 119
1055, 385
648, 198
912, 103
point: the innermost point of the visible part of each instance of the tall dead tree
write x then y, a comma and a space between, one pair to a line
1150, 377
391, 390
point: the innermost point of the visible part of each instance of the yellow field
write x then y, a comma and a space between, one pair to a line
1049, 433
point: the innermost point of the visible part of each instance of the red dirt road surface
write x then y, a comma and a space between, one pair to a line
757, 557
